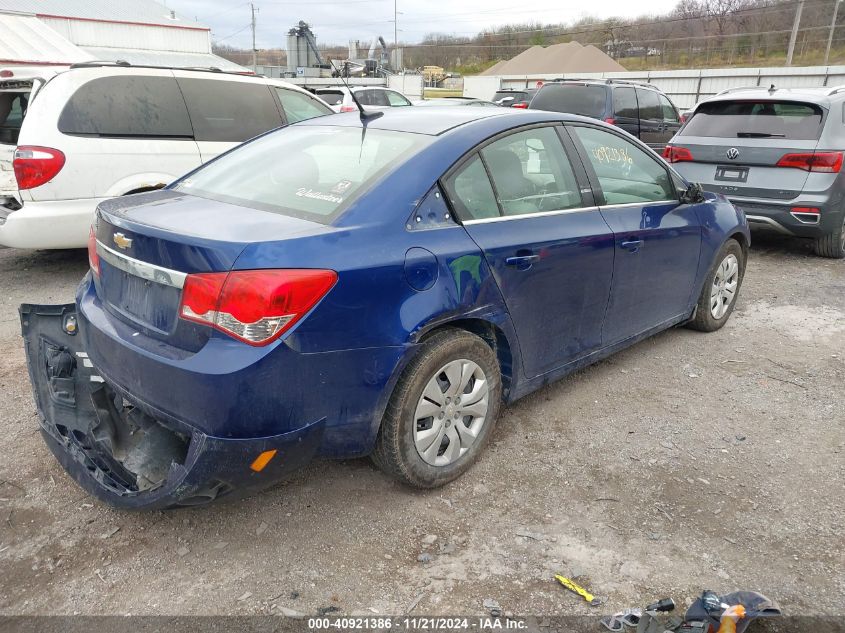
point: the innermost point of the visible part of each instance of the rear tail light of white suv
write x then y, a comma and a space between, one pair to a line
35, 166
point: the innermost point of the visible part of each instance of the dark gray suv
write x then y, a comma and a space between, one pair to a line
777, 154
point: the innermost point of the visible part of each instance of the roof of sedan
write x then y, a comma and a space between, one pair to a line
434, 120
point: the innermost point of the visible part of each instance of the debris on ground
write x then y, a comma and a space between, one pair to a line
110, 532
492, 606
425, 557
245, 596
576, 588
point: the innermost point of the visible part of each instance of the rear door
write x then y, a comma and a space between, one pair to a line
225, 111
735, 146
529, 210
625, 110
658, 239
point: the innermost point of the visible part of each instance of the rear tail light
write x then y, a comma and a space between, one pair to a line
610, 120
825, 162
683, 119
254, 306
35, 166
348, 108
521, 106
674, 154
93, 257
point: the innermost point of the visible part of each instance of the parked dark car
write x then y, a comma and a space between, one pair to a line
775, 153
514, 98
338, 288
639, 109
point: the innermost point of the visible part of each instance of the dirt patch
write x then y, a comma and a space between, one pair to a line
689, 461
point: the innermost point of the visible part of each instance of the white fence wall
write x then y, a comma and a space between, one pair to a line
684, 87
409, 85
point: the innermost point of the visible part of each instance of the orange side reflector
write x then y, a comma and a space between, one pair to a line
262, 460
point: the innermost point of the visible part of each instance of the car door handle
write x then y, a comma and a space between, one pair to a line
522, 261
631, 245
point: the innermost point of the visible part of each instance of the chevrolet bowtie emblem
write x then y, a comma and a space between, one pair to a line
122, 241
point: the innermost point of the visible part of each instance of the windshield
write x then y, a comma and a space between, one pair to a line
310, 172
586, 100
756, 119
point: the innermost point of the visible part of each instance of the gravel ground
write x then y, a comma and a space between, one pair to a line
689, 461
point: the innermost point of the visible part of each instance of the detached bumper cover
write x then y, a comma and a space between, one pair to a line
122, 455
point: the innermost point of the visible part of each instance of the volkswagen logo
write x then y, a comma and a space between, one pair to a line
732, 153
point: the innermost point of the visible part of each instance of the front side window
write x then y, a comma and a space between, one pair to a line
669, 112
312, 172
626, 173
229, 111
299, 107
395, 99
531, 173
128, 106
650, 109
470, 192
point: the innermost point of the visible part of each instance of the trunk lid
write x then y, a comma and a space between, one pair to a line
148, 243
752, 172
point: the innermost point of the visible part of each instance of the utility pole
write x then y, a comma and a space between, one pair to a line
832, 28
254, 50
794, 35
395, 25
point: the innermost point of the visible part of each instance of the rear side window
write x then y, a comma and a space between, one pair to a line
299, 107
531, 173
625, 103
756, 119
229, 111
127, 106
649, 105
332, 97
584, 99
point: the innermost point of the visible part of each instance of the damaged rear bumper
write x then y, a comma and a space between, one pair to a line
124, 456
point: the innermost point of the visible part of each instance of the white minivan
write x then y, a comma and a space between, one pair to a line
70, 138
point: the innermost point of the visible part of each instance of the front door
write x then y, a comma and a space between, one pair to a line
658, 239
549, 248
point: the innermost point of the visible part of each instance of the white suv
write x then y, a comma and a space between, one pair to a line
74, 137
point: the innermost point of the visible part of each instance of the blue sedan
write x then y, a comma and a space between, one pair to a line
365, 285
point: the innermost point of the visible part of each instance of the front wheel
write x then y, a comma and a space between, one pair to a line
442, 411
718, 297
833, 244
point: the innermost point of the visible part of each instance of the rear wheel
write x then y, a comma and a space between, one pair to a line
442, 411
718, 297
833, 244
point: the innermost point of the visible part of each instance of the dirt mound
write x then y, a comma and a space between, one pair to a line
569, 57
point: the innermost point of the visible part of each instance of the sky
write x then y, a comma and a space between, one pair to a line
338, 21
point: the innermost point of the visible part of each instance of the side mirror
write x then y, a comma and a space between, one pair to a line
693, 194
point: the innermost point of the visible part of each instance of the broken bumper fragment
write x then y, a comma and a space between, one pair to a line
121, 454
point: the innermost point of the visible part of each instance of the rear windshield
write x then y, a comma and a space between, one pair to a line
756, 119
586, 100
310, 172
332, 97
510, 95
12, 110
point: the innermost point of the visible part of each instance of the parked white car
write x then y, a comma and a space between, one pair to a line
71, 138
339, 98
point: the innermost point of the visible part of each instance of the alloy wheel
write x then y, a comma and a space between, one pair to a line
451, 412
725, 284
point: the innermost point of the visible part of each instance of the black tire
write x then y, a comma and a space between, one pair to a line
704, 320
395, 452
833, 244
